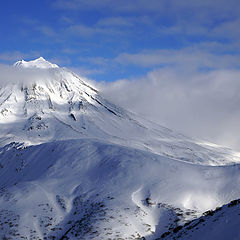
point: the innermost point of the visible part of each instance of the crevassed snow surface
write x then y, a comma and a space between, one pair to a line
74, 166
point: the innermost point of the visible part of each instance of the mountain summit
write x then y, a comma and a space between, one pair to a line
37, 63
75, 166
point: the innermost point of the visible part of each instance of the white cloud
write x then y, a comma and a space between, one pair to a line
202, 105
11, 74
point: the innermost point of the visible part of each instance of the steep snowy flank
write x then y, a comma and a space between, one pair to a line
75, 166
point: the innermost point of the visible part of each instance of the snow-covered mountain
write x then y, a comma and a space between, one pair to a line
58, 105
75, 166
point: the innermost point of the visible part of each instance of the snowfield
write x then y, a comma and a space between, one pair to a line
74, 166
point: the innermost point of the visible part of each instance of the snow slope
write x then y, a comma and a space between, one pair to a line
99, 190
74, 166
221, 223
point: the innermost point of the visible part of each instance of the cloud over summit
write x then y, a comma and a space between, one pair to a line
16, 75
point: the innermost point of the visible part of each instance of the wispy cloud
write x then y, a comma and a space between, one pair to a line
228, 29
190, 57
29, 21
66, 20
63, 61
47, 31
88, 31
95, 60
186, 16
84, 71
200, 8
36, 25
13, 56
116, 21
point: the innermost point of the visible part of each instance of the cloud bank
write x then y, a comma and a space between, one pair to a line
203, 105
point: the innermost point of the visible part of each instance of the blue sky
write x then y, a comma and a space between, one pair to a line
173, 61
109, 40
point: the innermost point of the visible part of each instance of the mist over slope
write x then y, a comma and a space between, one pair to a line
75, 166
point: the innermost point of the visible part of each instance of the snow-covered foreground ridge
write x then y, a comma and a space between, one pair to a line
74, 166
